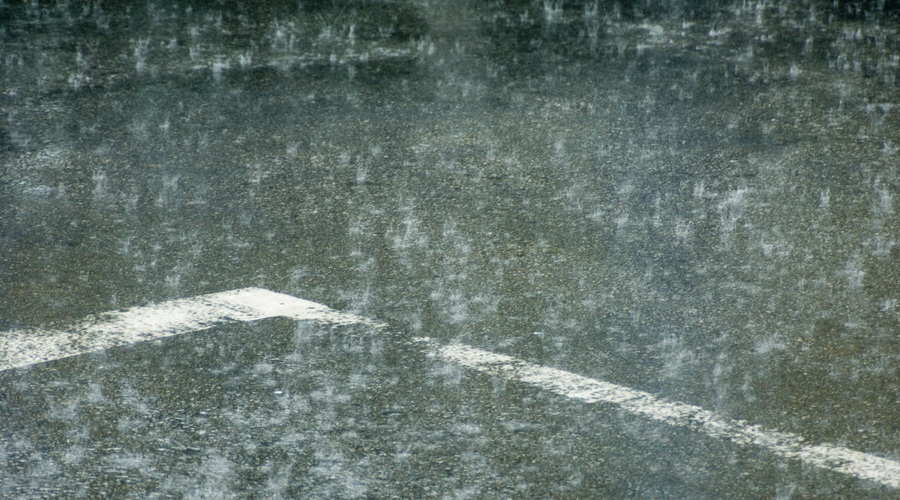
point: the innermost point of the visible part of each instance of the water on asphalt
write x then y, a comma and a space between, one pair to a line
693, 199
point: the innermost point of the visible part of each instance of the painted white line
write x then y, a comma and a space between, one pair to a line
20, 348
588, 390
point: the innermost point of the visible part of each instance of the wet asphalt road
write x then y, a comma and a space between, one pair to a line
699, 202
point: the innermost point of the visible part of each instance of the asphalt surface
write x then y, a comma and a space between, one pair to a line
695, 201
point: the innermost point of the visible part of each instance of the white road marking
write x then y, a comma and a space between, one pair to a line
20, 348
588, 390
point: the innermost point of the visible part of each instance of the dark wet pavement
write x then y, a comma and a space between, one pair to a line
697, 202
